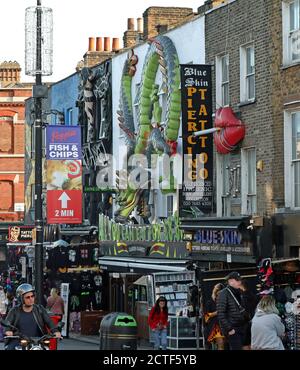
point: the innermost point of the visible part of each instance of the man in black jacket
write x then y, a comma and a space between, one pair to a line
230, 315
30, 319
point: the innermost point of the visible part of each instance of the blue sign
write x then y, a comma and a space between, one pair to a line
63, 142
224, 237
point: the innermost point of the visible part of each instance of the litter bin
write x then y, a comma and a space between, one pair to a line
118, 330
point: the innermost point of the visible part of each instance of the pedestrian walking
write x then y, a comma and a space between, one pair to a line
267, 329
158, 322
55, 304
231, 314
212, 330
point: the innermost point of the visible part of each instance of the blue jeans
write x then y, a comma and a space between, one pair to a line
160, 338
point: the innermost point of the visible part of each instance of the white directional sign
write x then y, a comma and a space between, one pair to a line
64, 200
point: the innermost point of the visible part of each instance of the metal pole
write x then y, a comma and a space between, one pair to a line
208, 131
38, 163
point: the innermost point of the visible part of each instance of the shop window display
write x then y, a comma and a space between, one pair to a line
281, 278
77, 265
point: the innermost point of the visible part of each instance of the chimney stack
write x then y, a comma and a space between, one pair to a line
97, 53
91, 44
99, 44
107, 44
130, 24
131, 36
10, 72
115, 44
140, 25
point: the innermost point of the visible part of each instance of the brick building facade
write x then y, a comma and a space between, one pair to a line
285, 107
240, 23
160, 19
12, 116
249, 49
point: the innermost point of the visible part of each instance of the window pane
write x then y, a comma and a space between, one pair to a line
292, 16
250, 60
297, 183
250, 87
225, 94
170, 206
251, 170
225, 74
295, 45
225, 165
296, 135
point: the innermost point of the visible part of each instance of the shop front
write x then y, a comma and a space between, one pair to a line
140, 272
4, 227
73, 269
281, 278
232, 240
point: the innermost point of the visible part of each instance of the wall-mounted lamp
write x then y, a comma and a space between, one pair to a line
260, 165
189, 247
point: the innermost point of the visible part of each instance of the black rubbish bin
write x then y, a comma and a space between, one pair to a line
118, 330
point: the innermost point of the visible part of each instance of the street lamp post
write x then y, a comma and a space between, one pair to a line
38, 189
38, 62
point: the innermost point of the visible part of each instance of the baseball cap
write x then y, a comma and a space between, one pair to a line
233, 275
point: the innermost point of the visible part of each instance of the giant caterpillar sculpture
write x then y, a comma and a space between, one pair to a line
151, 137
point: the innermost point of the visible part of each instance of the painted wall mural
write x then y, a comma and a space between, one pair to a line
156, 133
95, 118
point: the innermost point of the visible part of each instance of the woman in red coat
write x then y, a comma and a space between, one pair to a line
158, 322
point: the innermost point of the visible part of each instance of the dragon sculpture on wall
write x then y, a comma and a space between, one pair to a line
153, 136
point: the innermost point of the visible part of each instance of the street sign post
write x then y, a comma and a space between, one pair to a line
64, 172
64, 206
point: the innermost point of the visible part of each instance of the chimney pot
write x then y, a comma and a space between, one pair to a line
130, 24
107, 44
91, 44
99, 44
115, 44
140, 25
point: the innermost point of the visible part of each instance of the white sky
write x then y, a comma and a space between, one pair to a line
74, 22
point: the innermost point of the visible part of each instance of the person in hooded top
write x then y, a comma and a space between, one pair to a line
267, 329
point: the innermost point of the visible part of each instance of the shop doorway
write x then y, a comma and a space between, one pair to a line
117, 295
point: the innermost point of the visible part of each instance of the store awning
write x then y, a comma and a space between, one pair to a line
284, 260
213, 223
123, 264
20, 244
286, 264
